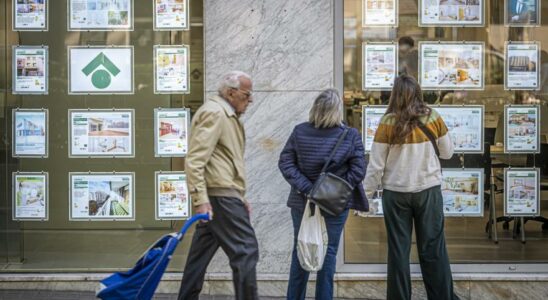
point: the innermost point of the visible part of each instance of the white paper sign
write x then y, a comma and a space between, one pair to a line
451, 12
30, 196
100, 15
371, 119
101, 133
171, 131
449, 65
465, 124
521, 129
30, 133
30, 15
462, 191
521, 193
30, 70
171, 15
172, 198
380, 13
379, 66
101, 196
522, 66
100, 70
171, 69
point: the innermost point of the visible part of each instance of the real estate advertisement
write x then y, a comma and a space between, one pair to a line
172, 198
449, 66
30, 196
380, 13
101, 196
371, 118
379, 66
521, 13
171, 131
462, 191
171, 69
522, 66
465, 124
521, 129
171, 15
451, 12
521, 193
375, 206
30, 15
101, 133
30, 70
100, 70
100, 15
30, 133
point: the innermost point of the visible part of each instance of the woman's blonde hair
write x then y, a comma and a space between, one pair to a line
327, 110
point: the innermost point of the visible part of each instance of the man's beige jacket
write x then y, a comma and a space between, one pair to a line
215, 161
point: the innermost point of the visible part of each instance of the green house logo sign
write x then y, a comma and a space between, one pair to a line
101, 79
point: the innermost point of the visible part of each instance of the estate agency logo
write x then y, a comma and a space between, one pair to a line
101, 78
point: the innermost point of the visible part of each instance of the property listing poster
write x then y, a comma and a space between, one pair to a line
100, 70
30, 14
521, 192
379, 66
522, 125
375, 206
171, 69
371, 118
465, 124
30, 70
451, 12
522, 66
100, 14
171, 14
172, 199
451, 65
30, 196
101, 196
30, 133
522, 12
462, 191
101, 133
171, 131
380, 13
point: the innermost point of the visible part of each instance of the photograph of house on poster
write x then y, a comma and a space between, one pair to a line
371, 118
101, 196
101, 133
30, 15
451, 65
171, 131
30, 133
521, 193
465, 124
451, 12
462, 191
521, 130
380, 13
172, 198
30, 196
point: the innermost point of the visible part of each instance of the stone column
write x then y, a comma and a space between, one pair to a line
287, 47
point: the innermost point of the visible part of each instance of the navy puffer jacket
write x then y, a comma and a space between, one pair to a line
305, 153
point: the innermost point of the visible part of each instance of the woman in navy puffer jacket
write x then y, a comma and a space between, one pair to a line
301, 161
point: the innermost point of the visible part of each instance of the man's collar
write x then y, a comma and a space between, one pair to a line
229, 110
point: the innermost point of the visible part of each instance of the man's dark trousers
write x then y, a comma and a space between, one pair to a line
425, 208
231, 230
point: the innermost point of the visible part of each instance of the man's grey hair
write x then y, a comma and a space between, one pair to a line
327, 110
231, 80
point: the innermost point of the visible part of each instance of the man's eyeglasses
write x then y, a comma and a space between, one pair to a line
246, 93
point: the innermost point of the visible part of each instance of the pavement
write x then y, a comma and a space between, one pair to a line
67, 295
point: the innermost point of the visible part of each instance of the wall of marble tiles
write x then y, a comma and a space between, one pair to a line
287, 47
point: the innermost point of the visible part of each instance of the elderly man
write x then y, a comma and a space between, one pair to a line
216, 181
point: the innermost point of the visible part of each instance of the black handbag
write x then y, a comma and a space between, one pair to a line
330, 192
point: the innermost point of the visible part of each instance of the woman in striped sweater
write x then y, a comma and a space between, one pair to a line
404, 161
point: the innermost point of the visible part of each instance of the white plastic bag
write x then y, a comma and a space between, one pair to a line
312, 240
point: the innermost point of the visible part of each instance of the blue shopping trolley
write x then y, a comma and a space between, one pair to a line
142, 280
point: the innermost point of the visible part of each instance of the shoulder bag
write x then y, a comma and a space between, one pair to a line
331, 192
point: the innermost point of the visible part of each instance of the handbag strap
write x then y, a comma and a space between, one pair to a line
431, 137
339, 142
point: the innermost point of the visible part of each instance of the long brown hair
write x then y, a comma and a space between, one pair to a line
407, 105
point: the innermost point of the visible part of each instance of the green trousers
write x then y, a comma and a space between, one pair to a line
425, 209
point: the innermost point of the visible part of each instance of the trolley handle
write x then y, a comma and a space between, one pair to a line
191, 221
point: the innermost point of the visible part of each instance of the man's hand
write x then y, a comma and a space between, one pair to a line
247, 207
205, 209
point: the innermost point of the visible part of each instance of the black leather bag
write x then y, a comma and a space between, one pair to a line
330, 192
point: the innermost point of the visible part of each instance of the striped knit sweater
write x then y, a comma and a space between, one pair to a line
410, 167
